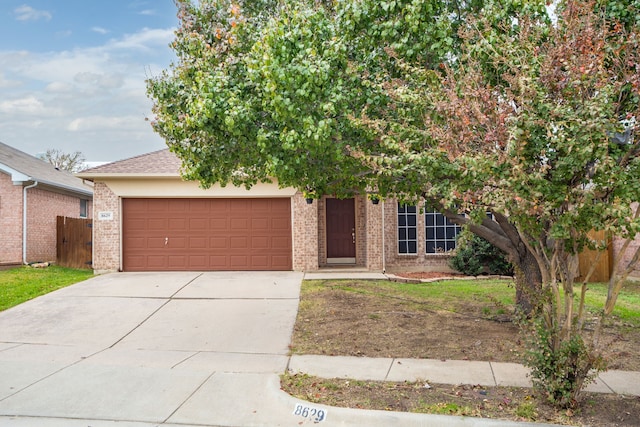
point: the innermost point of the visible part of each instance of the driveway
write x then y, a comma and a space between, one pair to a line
147, 348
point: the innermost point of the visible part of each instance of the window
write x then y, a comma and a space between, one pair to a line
440, 233
83, 208
407, 229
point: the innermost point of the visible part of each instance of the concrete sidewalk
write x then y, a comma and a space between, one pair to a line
488, 374
190, 349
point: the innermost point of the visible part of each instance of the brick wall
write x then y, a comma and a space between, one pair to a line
305, 233
10, 221
106, 233
374, 236
43, 207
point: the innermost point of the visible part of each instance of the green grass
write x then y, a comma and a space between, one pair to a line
21, 284
495, 296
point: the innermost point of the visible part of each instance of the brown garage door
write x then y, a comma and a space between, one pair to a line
206, 234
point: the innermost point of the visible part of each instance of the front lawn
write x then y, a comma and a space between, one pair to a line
465, 320
21, 284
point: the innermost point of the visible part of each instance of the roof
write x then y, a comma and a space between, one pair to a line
25, 168
158, 163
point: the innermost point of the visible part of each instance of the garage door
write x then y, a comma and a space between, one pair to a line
206, 234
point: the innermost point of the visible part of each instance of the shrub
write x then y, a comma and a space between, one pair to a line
560, 368
474, 256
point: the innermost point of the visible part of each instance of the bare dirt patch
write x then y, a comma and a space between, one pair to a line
506, 403
332, 321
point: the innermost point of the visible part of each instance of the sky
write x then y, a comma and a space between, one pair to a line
72, 74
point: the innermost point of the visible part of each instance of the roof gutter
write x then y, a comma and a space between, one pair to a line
24, 220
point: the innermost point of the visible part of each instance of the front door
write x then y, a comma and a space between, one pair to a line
341, 231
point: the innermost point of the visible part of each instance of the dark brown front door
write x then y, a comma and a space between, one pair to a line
341, 228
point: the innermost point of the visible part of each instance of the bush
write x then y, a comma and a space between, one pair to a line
474, 256
560, 368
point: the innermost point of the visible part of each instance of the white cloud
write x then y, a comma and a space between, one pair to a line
58, 87
144, 39
28, 105
147, 12
27, 13
99, 30
7, 83
100, 123
91, 99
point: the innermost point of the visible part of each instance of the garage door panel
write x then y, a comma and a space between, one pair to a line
218, 242
137, 224
239, 262
177, 261
196, 224
239, 242
218, 262
177, 243
197, 242
157, 224
218, 223
206, 234
154, 243
260, 261
173, 205
177, 224
156, 261
260, 224
280, 262
281, 243
258, 242
239, 224
280, 224
154, 206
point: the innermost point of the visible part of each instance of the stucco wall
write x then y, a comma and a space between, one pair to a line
10, 221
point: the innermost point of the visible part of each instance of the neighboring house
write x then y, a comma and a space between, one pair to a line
32, 194
148, 218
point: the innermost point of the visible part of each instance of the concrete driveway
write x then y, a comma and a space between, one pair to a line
147, 348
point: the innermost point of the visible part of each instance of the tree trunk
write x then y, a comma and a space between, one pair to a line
528, 280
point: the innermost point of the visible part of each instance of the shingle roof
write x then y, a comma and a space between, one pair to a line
162, 162
34, 169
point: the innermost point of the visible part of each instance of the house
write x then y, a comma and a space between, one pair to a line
148, 218
32, 194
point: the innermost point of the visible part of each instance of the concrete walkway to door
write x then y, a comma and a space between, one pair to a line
165, 349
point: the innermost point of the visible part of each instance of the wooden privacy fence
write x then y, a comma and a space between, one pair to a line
73, 247
603, 269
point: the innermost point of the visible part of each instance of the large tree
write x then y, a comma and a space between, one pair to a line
538, 124
474, 106
299, 91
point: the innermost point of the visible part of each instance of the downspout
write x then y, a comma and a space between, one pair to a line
384, 267
24, 220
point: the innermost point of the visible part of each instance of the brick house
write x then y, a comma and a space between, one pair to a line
147, 218
32, 194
